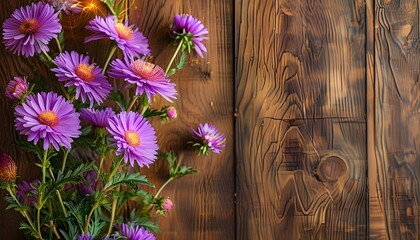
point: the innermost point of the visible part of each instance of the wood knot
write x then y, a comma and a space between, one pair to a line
331, 169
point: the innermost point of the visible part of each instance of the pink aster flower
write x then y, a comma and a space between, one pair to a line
27, 192
98, 118
68, 6
148, 77
167, 204
132, 42
132, 232
171, 111
134, 137
49, 117
75, 70
8, 170
30, 29
209, 138
17, 88
191, 30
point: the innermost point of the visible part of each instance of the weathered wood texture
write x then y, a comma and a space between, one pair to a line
301, 125
395, 188
203, 203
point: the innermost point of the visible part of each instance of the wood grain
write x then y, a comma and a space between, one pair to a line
396, 190
301, 126
203, 203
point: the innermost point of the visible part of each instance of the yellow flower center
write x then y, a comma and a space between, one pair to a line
85, 72
48, 118
132, 138
124, 32
143, 69
29, 26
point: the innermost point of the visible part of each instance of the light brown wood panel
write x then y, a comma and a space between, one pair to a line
301, 126
396, 190
203, 203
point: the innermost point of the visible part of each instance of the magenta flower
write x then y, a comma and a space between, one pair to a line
30, 29
67, 6
75, 70
17, 88
191, 31
27, 192
209, 138
132, 232
8, 170
98, 118
134, 137
48, 117
167, 204
171, 111
149, 78
132, 42
86, 236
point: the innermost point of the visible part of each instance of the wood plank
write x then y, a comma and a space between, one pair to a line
301, 126
397, 91
204, 203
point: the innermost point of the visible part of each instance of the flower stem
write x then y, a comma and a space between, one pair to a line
23, 212
38, 219
54, 229
66, 154
60, 199
47, 56
111, 221
111, 53
163, 186
85, 231
174, 56
58, 45
101, 161
44, 165
132, 103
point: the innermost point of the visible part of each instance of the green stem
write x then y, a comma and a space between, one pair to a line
63, 167
38, 219
85, 231
51, 174
60, 199
46, 55
111, 53
111, 222
101, 161
163, 186
23, 212
44, 165
54, 229
132, 103
174, 56
58, 45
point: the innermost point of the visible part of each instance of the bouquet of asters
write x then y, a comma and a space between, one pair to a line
101, 109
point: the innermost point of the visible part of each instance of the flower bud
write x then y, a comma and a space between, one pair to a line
167, 204
171, 112
17, 88
8, 170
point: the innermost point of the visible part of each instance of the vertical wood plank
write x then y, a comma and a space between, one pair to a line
397, 138
203, 203
301, 126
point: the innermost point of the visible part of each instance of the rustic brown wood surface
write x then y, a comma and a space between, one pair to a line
395, 188
301, 126
203, 203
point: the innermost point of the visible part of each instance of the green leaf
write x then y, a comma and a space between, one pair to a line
180, 64
127, 178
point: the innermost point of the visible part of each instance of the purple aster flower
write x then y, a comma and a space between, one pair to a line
49, 117
8, 170
17, 88
134, 137
68, 6
191, 30
89, 187
132, 42
149, 78
75, 70
98, 118
209, 138
86, 236
27, 192
30, 29
132, 232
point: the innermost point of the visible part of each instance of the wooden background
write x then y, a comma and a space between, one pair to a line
319, 101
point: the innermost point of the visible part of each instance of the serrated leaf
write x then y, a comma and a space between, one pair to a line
128, 178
